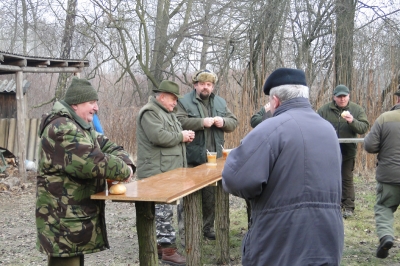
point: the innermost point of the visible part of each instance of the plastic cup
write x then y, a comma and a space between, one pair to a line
225, 153
212, 157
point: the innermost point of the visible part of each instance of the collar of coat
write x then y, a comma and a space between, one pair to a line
299, 102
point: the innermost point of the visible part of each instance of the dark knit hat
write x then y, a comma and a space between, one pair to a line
341, 90
168, 86
284, 76
204, 75
80, 91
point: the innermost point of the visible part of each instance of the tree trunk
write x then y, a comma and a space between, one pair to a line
193, 228
146, 231
345, 12
222, 225
66, 46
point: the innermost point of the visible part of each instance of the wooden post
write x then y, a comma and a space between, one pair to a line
222, 225
21, 125
146, 232
193, 229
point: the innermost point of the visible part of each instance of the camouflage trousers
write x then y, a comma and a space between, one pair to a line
165, 232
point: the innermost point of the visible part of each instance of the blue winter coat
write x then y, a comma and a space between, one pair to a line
289, 169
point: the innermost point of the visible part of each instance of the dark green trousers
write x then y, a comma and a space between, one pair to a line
348, 194
387, 201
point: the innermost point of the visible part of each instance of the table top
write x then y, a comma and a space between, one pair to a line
351, 140
169, 186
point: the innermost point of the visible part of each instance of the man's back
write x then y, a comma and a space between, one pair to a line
289, 168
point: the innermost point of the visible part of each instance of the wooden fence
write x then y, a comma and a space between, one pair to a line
9, 139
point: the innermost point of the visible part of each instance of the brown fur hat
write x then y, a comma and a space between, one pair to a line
204, 75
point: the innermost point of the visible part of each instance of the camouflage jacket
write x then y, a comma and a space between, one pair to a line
74, 161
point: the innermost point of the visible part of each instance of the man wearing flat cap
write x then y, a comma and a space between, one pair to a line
209, 116
383, 140
348, 119
74, 161
161, 146
288, 167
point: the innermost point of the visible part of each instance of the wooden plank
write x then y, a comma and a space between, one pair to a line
351, 140
21, 126
169, 186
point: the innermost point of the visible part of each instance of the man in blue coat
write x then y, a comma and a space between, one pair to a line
288, 167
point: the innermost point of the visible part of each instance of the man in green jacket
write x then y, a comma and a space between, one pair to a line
208, 115
74, 161
161, 146
347, 125
383, 139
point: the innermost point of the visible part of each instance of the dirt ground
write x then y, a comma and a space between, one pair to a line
18, 231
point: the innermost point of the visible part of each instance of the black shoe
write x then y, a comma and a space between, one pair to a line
347, 213
386, 243
209, 235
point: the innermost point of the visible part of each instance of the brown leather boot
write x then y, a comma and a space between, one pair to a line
172, 257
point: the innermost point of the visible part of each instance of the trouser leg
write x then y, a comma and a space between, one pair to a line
348, 194
66, 261
208, 206
387, 201
165, 232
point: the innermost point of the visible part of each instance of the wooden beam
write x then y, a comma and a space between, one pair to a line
19, 77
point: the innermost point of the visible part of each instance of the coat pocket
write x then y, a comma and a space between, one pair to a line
170, 159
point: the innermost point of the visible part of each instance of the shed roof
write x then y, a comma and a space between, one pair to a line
11, 63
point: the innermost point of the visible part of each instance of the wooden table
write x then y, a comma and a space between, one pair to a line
351, 140
169, 187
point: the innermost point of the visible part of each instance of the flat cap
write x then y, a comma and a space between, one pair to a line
284, 76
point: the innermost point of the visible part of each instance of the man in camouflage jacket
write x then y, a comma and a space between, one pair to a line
74, 162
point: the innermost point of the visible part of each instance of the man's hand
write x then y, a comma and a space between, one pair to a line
188, 135
218, 121
267, 107
348, 117
208, 122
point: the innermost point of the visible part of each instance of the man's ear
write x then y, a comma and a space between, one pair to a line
276, 102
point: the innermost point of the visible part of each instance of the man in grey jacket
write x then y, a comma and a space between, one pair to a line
383, 139
288, 167
160, 148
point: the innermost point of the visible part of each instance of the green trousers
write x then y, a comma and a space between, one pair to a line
66, 261
348, 193
387, 201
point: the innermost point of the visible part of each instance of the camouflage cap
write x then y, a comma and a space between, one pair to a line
204, 75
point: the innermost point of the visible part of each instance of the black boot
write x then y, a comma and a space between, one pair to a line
386, 243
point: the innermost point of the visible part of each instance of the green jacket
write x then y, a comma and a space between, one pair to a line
260, 116
74, 161
332, 113
191, 115
160, 145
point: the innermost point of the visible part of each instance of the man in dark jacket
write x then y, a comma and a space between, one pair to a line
208, 115
289, 169
261, 115
160, 148
383, 139
349, 120
74, 161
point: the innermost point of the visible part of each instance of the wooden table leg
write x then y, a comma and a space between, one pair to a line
193, 229
146, 232
222, 225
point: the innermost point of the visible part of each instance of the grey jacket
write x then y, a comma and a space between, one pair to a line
290, 173
384, 139
160, 146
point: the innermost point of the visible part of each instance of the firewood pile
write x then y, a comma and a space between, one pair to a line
9, 177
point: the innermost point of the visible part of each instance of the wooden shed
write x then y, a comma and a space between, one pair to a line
19, 64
